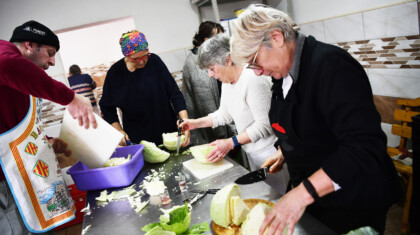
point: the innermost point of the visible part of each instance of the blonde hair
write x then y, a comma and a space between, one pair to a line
253, 28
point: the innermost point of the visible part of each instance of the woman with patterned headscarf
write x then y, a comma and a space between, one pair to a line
142, 87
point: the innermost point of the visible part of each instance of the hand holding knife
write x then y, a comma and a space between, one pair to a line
178, 143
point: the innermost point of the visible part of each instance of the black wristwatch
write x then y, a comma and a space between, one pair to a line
311, 190
235, 142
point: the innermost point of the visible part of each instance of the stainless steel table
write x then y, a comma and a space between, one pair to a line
119, 218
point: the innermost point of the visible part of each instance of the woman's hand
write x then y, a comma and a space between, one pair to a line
287, 212
188, 124
119, 128
276, 160
187, 141
222, 147
59, 146
125, 139
185, 130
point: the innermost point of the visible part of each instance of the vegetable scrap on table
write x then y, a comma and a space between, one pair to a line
176, 220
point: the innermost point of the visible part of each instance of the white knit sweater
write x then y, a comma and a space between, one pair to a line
247, 103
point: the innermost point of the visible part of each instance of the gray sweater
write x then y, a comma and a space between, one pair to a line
202, 97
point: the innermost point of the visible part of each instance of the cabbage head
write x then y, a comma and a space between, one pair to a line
153, 154
201, 151
170, 140
220, 205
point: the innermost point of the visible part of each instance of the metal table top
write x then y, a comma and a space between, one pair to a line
118, 216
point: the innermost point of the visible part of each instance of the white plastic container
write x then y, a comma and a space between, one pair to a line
93, 147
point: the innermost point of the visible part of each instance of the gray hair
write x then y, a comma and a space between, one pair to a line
253, 28
214, 51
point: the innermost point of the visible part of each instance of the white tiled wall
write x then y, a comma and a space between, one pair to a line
343, 29
393, 21
399, 20
174, 60
315, 29
404, 83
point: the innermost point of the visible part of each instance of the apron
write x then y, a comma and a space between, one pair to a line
33, 174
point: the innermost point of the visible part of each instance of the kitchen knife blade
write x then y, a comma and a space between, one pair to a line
178, 143
254, 176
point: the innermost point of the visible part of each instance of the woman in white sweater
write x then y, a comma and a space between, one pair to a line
246, 101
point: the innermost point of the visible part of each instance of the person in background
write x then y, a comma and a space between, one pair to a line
328, 128
202, 95
26, 155
147, 94
83, 84
245, 100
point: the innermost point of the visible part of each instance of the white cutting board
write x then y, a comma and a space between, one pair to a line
93, 147
204, 170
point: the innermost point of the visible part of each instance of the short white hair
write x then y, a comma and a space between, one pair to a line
253, 28
214, 51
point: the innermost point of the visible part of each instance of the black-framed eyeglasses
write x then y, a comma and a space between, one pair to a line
253, 65
137, 60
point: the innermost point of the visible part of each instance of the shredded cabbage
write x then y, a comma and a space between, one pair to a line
116, 161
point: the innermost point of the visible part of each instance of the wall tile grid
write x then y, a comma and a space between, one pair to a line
393, 52
386, 42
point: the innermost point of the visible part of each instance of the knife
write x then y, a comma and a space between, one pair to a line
254, 176
178, 143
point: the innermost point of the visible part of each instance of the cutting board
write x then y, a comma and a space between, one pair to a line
93, 147
204, 170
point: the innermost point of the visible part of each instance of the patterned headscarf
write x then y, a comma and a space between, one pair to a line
132, 42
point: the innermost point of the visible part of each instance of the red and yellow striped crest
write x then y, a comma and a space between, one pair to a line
41, 169
31, 148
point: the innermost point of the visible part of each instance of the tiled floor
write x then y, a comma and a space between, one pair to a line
393, 223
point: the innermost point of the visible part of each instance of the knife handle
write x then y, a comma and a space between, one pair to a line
267, 169
180, 128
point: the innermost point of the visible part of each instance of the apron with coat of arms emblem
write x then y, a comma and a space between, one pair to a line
34, 177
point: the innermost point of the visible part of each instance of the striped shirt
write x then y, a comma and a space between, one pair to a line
83, 84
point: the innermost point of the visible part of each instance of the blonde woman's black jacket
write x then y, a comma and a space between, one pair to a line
328, 120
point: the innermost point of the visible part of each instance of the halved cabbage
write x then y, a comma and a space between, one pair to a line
255, 218
170, 140
220, 205
238, 210
153, 154
201, 151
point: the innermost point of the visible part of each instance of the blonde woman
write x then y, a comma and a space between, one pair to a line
328, 128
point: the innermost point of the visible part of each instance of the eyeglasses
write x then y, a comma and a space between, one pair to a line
137, 60
253, 65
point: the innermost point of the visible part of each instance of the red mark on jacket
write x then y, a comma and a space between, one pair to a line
279, 128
